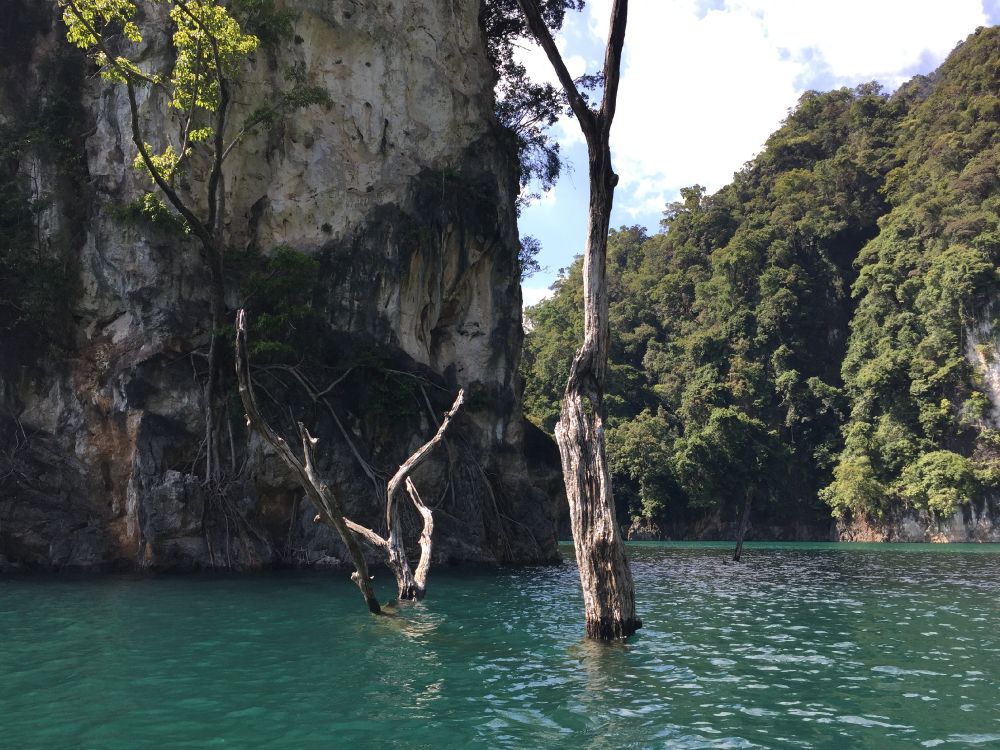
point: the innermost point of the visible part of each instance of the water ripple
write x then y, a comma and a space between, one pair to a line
801, 647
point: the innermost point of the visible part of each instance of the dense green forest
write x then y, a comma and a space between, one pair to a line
813, 336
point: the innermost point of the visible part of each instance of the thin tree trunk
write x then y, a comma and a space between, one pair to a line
213, 385
605, 576
742, 530
322, 498
426, 539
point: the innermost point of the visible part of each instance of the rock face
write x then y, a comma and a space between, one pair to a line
982, 349
403, 190
974, 522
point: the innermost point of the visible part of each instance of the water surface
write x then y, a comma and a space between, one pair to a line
811, 646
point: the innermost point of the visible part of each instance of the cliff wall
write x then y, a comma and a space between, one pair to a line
972, 523
402, 190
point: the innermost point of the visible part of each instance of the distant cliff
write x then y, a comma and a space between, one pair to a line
402, 192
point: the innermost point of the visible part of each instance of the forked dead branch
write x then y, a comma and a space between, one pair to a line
410, 584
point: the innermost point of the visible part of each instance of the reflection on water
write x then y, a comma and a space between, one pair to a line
807, 646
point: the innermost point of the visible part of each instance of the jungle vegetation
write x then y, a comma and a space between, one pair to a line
815, 334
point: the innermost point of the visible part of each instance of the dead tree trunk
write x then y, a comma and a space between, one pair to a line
605, 576
325, 501
742, 530
426, 541
409, 585
405, 580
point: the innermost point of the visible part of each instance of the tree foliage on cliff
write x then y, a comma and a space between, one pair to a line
804, 332
209, 50
527, 108
926, 284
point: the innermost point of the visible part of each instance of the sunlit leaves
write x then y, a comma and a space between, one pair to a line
939, 481
209, 50
855, 488
87, 24
210, 47
165, 164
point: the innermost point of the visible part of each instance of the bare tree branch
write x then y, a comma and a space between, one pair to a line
324, 500
421, 453
536, 23
426, 538
612, 63
367, 534
330, 509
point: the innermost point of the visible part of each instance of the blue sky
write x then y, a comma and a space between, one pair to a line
705, 82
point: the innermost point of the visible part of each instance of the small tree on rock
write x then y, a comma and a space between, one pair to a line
210, 49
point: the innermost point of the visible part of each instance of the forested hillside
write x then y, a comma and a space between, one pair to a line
819, 336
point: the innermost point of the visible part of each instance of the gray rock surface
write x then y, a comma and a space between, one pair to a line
404, 191
971, 523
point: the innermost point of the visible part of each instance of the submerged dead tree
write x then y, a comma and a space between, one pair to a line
410, 584
741, 530
608, 588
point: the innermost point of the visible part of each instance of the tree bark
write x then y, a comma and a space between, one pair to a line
426, 541
742, 530
605, 576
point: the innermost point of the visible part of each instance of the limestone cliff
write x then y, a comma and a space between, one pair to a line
974, 522
403, 190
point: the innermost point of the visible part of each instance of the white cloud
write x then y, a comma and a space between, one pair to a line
702, 88
600, 18
535, 61
861, 39
546, 200
531, 295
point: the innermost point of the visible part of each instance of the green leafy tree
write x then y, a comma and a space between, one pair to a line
210, 50
527, 257
639, 453
554, 326
732, 460
927, 280
939, 481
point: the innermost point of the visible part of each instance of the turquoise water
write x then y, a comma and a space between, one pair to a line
811, 646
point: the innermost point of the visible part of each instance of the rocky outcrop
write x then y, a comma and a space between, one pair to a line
643, 530
403, 190
982, 350
973, 522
